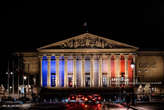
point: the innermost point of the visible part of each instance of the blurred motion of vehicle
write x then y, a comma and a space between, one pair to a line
87, 99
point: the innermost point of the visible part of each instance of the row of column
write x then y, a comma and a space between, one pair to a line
92, 77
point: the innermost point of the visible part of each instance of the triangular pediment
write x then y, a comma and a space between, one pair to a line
88, 41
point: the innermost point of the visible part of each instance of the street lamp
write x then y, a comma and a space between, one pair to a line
132, 64
10, 87
13, 82
24, 78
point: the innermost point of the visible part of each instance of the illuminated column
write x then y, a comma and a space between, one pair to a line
100, 71
65, 71
49, 72
83, 71
134, 81
109, 71
41, 58
117, 69
91, 71
126, 69
74, 71
57, 71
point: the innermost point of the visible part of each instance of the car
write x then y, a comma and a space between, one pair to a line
80, 98
93, 99
72, 99
97, 98
87, 98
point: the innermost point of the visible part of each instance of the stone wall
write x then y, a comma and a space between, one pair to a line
31, 63
150, 67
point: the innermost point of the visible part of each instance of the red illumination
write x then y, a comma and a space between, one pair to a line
122, 64
130, 71
113, 70
99, 106
99, 98
90, 97
94, 99
82, 104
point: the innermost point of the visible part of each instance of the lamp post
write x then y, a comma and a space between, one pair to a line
132, 66
12, 82
24, 78
8, 82
28, 85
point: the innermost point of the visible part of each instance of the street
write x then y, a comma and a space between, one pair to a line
72, 106
82, 106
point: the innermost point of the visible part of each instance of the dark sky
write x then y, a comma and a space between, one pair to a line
27, 25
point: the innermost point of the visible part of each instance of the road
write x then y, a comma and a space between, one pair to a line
75, 106
61, 106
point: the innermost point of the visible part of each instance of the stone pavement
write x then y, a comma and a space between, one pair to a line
147, 106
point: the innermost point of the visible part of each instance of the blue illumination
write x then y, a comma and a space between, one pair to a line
53, 71
78, 71
87, 66
61, 71
44, 71
53, 64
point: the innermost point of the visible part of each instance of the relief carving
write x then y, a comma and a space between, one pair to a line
145, 67
87, 43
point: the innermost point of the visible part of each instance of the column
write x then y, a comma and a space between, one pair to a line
49, 72
41, 58
126, 69
57, 71
117, 69
74, 71
109, 71
91, 71
83, 71
65, 71
100, 71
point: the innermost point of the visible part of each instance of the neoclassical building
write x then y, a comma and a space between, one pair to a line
92, 61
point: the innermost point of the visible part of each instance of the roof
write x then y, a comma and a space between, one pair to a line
87, 41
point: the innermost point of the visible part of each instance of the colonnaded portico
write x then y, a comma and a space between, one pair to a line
87, 60
87, 70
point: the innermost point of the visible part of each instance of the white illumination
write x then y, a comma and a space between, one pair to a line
132, 66
25, 77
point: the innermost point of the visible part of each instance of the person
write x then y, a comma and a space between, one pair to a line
127, 98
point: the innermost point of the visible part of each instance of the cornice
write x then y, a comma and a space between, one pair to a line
86, 50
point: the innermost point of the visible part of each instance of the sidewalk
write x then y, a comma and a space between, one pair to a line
145, 105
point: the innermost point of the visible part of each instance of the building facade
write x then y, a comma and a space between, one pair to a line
91, 61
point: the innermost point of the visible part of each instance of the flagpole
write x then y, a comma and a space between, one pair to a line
86, 26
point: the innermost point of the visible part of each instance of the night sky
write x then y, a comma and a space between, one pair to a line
27, 25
